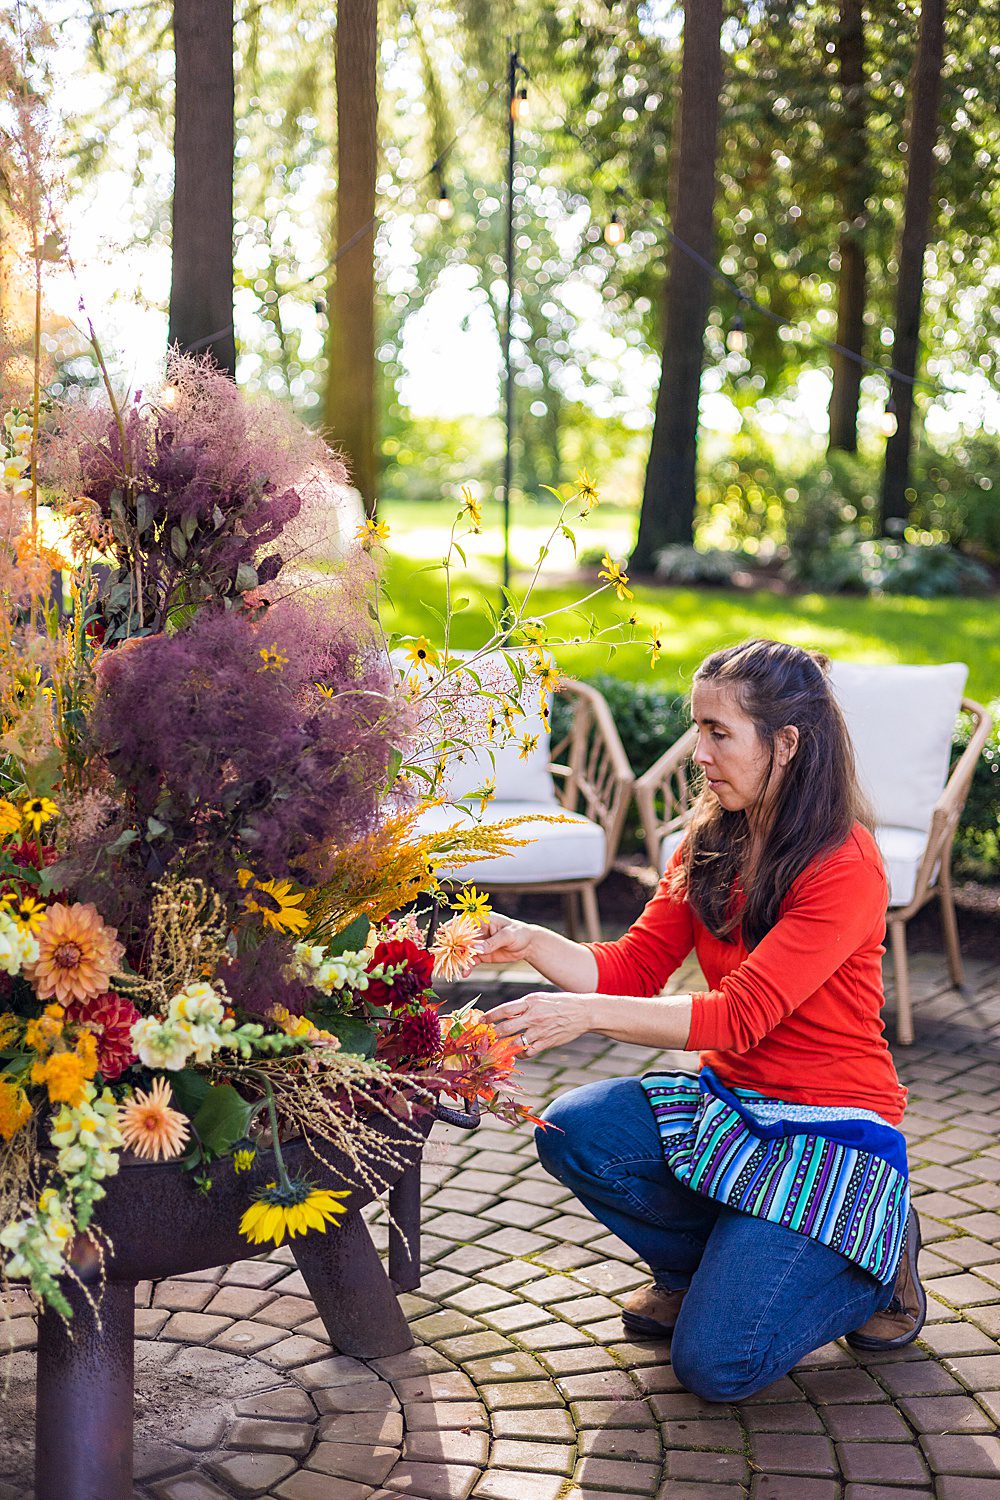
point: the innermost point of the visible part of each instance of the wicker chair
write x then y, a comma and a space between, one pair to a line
887, 710
586, 775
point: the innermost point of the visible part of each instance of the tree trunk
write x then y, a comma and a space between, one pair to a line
668, 501
350, 389
925, 94
851, 146
201, 282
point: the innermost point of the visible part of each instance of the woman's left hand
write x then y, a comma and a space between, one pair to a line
544, 1019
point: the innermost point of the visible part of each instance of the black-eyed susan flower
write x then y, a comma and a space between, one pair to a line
472, 509
37, 811
422, 653
372, 533
655, 647
28, 912
271, 659
614, 574
586, 490
472, 902
526, 745
291, 1208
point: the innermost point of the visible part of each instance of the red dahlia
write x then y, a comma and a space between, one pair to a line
412, 1039
111, 1019
408, 985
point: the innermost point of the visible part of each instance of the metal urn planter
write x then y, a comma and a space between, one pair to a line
160, 1226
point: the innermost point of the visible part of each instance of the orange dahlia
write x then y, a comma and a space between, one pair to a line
150, 1127
77, 954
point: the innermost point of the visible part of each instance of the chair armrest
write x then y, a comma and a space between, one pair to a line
948, 808
666, 778
600, 775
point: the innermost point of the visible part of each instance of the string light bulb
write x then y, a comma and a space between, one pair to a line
614, 230
443, 206
736, 337
520, 106
889, 421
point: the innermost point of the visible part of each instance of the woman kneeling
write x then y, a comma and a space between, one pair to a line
767, 1192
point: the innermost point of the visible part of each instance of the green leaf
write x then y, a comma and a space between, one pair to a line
246, 578
190, 1089
178, 543
222, 1119
350, 939
460, 604
123, 840
461, 553
155, 828
357, 1037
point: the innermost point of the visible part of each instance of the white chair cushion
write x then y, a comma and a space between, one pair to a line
901, 720
669, 843
902, 850
558, 851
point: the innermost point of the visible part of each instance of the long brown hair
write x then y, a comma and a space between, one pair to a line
816, 803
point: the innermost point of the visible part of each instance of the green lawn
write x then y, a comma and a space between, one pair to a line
691, 622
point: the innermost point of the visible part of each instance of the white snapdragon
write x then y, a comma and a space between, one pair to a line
197, 1004
162, 1044
344, 971
18, 946
40, 1240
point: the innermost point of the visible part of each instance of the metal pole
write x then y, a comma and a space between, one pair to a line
513, 68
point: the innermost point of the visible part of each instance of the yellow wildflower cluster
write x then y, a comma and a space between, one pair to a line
65, 1071
15, 1109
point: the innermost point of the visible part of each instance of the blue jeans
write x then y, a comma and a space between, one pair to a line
758, 1297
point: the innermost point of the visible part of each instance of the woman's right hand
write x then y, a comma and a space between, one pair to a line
504, 940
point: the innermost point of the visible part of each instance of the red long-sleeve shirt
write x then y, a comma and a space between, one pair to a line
799, 1017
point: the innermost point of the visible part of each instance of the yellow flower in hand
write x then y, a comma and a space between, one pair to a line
473, 903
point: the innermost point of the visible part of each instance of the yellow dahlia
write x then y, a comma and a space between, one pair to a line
150, 1127
77, 954
293, 1210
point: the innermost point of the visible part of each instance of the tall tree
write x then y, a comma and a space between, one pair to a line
851, 147
201, 282
350, 390
925, 95
668, 500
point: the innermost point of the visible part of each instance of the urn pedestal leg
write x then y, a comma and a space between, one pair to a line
351, 1291
85, 1384
404, 1240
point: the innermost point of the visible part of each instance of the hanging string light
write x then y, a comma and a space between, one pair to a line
443, 206
736, 336
889, 421
614, 231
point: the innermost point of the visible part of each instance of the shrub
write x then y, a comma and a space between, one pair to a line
689, 566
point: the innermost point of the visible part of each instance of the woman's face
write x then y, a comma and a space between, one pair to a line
730, 751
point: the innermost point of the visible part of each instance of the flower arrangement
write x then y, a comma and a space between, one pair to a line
212, 780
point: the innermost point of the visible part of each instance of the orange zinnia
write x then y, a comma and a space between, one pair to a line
77, 954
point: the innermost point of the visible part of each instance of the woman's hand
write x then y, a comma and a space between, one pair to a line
544, 1018
504, 940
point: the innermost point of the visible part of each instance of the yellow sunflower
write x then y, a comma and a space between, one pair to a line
295, 1209
277, 902
422, 653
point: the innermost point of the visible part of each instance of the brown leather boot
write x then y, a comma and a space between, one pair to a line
651, 1312
900, 1322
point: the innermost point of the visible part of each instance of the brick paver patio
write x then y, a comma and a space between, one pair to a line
521, 1385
